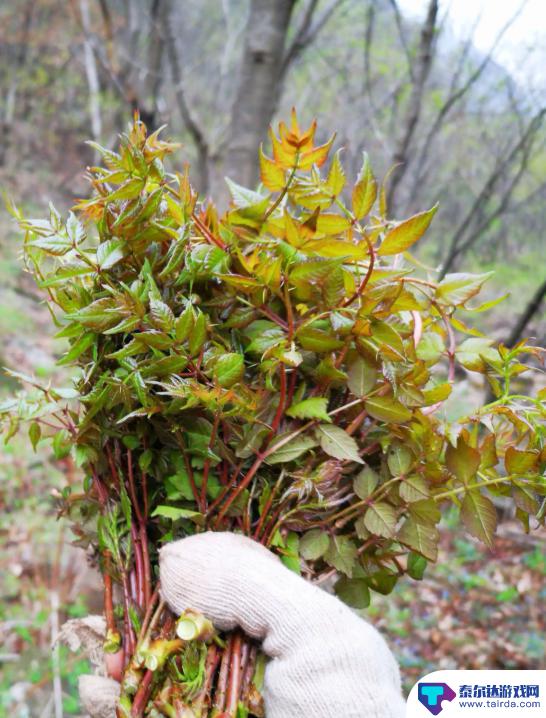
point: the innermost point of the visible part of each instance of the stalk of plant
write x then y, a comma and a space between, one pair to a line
279, 371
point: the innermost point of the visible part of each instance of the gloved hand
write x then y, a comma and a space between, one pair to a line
326, 661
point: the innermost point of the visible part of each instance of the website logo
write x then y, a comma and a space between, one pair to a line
431, 696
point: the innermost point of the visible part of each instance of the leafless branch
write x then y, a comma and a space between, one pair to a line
308, 31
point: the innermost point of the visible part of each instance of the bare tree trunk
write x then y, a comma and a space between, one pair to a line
530, 310
6, 122
418, 77
259, 86
91, 73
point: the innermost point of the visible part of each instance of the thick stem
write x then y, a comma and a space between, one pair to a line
235, 675
248, 672
220, 694
142, 695
108, 596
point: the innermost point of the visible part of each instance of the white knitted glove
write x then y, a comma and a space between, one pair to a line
326, 661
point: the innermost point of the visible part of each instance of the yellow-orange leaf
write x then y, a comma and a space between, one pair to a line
332, 223
318, 156
404, 235
337, 248
271, 174
284, 156
336, 176
364, 191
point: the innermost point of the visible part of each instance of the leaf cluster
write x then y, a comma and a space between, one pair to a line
279, 370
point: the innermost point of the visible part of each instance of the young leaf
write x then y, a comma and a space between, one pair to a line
272, 175
314, 544
479, 516
353, 591
386, 408
336, 442
364, 191
463, 461
421, 537
229, 369
458, 288
313, 408
365, 482
109, 253
405, 234
336, 176
174, 513
380, 519
342, 554
362, 377
291, 450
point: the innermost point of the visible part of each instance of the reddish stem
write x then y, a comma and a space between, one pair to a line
147, 578
206, 466
139, 566
127, 625
248, 672
142, 695
220, 695
234, 686
108, 595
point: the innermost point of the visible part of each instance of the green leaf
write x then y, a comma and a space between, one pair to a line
353, 591
315, 340
462, 461
416, 565
183, 324
362, 377
198, 334
342, 554
431, 347
162, 315
53, 244
68, 272
229, 369
389, 409
520, 462
34, 434
78, 348
243, 197
365, 482
290, 554
405, 234
458, 288
425, 512
291, 450
314, 544
382, 581
414, 488
400, 459
364, 191
338, 443
421, 537
174, 513
109, 253
313, 408
479, 516
336, 176
380, 519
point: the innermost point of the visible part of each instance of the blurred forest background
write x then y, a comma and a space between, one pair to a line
450, 121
